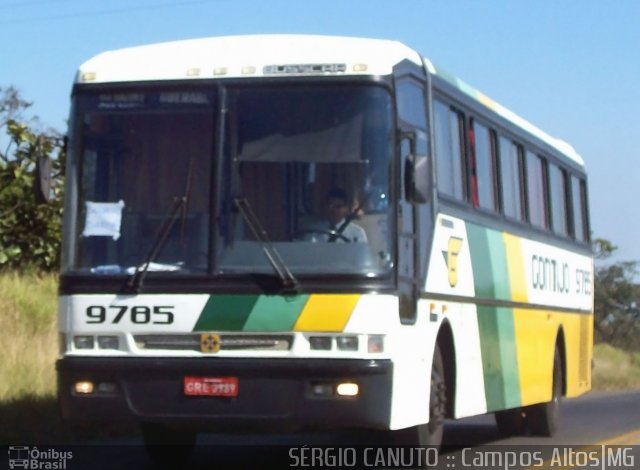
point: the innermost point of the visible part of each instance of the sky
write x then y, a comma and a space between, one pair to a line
571, 67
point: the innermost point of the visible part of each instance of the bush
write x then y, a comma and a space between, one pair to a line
30, 232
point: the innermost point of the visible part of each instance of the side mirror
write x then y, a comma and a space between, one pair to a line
421, 184
42, 180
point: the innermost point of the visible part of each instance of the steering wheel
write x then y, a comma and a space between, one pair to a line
332, 235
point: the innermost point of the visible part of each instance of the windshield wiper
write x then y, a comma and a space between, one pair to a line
288, 280
180, 204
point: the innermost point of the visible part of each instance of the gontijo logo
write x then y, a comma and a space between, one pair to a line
33, 458
210, 343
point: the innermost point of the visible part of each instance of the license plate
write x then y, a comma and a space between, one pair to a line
211, 386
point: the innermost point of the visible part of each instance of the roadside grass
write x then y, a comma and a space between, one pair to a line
615, 369
29, 410
28, 335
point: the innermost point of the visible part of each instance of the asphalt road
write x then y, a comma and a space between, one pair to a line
587, 423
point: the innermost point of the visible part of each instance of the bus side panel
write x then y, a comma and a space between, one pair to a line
537, 334
470, 377
535, 338
450, 272
578, 337
515, 297
412, 355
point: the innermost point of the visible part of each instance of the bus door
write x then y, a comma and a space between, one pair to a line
411, 87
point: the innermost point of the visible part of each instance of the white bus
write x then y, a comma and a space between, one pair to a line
203, 287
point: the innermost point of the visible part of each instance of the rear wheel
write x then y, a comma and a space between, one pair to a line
543, 418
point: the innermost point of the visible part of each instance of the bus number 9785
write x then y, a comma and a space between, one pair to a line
138, 314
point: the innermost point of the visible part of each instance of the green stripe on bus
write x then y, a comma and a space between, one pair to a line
275, 313
499, 267
495, 324
226, 312
509, 357
480, 261
491, 357
499, 359
489, 263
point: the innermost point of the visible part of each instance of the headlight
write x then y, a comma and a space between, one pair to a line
348, 389
347, 343
375, 344
83, 342
108, 342
322, 343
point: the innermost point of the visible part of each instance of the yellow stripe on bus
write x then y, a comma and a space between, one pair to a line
515, 262
535, 335
326, 312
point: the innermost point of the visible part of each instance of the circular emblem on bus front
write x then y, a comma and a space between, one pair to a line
209, 343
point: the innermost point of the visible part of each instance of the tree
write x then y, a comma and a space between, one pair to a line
30, 232
617, 313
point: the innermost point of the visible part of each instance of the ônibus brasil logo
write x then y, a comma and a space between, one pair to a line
34, 458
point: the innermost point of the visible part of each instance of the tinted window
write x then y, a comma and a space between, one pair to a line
558, 199
448, 150
578, 200
410, 99
535, 190
510, 171
485, 168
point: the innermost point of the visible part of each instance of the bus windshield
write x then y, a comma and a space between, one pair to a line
158, 169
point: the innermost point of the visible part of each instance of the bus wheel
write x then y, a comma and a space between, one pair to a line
430, 434
511, 422
168, 447
543, 418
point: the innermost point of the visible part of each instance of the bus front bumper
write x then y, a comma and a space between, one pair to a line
272, 393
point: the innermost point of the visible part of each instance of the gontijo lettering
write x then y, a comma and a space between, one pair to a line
548, 274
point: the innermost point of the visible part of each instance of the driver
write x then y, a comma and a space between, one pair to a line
341, 227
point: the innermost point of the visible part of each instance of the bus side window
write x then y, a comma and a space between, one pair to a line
578, 202
511, 183
448, 148
558, 197
536, 191
485, 167
411, 107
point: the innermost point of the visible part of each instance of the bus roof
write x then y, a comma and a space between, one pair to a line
560, 145
279, 55
247, 56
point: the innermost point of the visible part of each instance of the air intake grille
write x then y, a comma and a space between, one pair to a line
228, 342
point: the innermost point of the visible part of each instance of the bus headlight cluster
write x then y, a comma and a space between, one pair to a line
88, 387
329, 390
90, 342
375, 343
327, 343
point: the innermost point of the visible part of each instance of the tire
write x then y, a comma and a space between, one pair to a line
168, 447
511, 422
429, 434
543, 418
